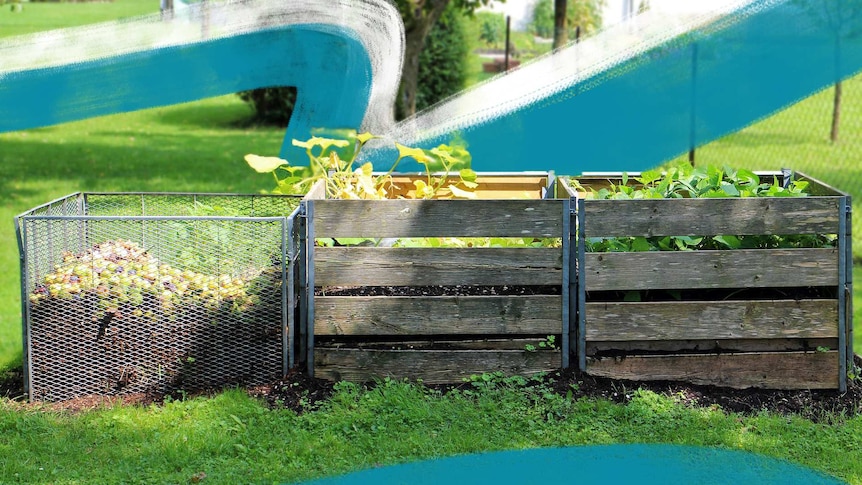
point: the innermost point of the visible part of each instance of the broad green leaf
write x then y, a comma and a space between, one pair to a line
713, 193
649, 177
467, 175
264, 164
731, 242
747, 177
729, 189
641, 244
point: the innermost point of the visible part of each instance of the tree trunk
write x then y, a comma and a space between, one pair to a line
415, 35
836, 112
561, 34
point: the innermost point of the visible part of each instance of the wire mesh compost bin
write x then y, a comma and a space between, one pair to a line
143, 292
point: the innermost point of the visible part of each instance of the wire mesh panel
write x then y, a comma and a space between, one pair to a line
153, 292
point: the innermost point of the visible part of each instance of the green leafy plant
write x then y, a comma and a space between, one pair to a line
548, 343
333, 161
684, 181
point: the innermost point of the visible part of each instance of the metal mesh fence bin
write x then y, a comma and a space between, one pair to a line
142, 292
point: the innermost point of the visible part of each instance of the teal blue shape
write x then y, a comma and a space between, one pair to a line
327, 64
681, 95
635, 463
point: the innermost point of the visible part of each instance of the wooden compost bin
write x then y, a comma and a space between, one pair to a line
446, 313
776, 339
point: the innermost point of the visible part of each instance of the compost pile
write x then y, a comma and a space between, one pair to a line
114, 319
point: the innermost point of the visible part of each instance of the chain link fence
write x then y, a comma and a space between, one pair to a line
131, 293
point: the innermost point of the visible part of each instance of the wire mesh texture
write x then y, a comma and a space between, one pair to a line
136, 292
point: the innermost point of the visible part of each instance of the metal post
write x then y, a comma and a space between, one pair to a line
25, 303
567, 240
848, 282
582, 291
287, 320
309, 242
842, 297
303, 284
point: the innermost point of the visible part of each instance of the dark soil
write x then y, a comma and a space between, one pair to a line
300, 393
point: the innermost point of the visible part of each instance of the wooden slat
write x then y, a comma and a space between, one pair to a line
437, 315
490, 187
706, 217
317, 191
678, 320
744, 268
685, 346
432, 366
441, 343
789, 370
438, 218
351, 266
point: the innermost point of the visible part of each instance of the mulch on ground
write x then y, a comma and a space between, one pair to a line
300, 393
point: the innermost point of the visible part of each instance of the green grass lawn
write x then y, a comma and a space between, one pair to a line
235, 439
232, 438
35, 17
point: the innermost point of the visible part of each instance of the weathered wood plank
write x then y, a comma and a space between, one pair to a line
677, 320
449, 315
706, 217
744, 268
432, 366
317, 191
519, 344
490, 186
438, 218
735, 345
788, 370
350, 266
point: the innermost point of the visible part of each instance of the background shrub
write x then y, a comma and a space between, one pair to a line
442, 73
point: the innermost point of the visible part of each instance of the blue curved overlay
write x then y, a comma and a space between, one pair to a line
695, 89
327, 64
639, 463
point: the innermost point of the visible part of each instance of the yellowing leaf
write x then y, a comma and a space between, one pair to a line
323, 143
417, 153
461, 193
264, 164
364, 137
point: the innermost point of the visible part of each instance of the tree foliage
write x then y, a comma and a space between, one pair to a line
586, 14
443, 61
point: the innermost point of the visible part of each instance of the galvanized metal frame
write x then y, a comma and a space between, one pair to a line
566, 287
582, 293
309, 254
848, 285
843, 244
290, 255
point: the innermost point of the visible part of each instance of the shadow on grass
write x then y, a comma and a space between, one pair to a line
233, 116
139, 162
